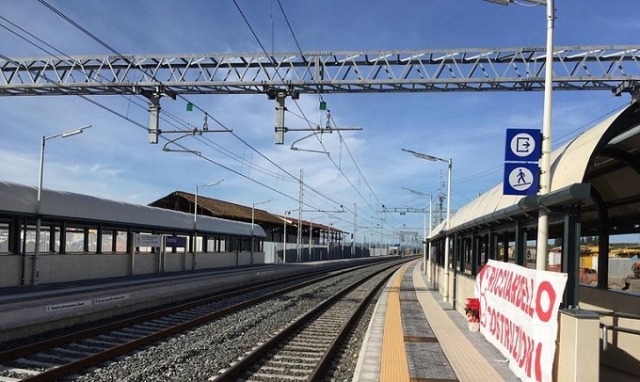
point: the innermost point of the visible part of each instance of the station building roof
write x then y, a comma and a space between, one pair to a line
22, 199
184, 201
602, 163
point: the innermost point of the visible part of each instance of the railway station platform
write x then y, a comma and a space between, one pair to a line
415, 336
32, 310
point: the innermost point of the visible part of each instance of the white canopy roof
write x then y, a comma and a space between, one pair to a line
572, 163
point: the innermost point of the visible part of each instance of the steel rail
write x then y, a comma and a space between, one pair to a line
239, 368
80, 364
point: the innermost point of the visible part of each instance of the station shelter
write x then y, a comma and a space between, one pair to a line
595, 192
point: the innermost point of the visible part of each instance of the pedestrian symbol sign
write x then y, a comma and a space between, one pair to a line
520, 179
521, 156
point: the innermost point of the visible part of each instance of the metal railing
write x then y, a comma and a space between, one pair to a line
615, 328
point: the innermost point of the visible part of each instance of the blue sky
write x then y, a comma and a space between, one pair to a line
114, 160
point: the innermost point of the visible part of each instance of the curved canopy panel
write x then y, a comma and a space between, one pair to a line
606, 156
23, 199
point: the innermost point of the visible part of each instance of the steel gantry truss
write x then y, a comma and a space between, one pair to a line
575, 68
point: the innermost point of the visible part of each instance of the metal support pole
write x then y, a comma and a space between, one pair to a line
445, 295
431, 265
280, 129
284, 238
253, 213
36, 254
571, 256
545, 157
154, 117
36, 251
310, 239
520, 246
355, 221
425, 264
299, 236
195, 209
253, 237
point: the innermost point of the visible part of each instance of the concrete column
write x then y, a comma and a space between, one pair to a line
578, 353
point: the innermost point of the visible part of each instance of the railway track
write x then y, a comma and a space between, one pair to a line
303, 350
59, 357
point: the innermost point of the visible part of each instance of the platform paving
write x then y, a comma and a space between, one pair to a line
472, 357
437, 342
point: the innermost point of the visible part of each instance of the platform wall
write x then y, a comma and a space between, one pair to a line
73, 267
11, 270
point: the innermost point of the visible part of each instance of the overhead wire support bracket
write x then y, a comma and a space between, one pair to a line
187, 133
319, 130
279, 96
154, 107
316, 131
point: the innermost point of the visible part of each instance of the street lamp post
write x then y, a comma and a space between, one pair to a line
284, 236
545, 155
36, 252
284, 240
425, 249
445, 293
253, 214
195, 217
195, 203
310, 239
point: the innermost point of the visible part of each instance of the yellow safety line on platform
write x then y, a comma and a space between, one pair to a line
393, 364
466, 360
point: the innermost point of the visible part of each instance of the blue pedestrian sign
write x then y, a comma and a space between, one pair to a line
520, 179
522, 145
521, 156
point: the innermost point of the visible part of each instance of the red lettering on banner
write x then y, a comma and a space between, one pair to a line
516, 342
545, 315
538, 362
517, 306
510, 286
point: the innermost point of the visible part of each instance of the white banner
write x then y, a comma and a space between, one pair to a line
146, 240
519, 315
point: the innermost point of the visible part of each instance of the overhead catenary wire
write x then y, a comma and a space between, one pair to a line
370, 196
106, 108
107, 46
125, 117
101, 42
137, 123
229, 153
342, 141
321, 99
179, 145
296, 103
